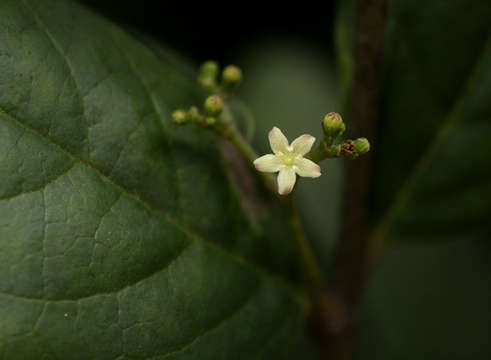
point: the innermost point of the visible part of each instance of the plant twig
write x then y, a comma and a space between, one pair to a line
369, 41
309, 261
231, 133
348, 273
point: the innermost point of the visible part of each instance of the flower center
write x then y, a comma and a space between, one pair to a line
288, 161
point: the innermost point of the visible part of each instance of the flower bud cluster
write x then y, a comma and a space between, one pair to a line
231, 78
212, 107
334, 127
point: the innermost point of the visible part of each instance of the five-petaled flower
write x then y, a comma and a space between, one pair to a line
288, 160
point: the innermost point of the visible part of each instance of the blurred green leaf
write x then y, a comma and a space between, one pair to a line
432, 182
291, 86
120, 235
429, 301
435, 112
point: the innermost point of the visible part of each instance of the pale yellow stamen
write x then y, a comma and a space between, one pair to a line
288, 161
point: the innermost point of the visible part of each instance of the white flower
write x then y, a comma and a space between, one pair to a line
288, 160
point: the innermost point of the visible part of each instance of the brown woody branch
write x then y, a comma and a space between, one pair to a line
334, 311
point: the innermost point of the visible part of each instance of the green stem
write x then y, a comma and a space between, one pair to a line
231, 133
324, 151
309, 261
317, 154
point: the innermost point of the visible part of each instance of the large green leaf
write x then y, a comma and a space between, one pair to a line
120, 235
429, 296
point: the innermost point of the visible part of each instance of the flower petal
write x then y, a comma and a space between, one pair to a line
286, 180
278, 141
305, 167
268, 163
302, 144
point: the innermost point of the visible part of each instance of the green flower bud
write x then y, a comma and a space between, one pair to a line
213, 105
210, 121
193, 114
362, 146
209, 69
208, 76
333, 125
231, 77
335, 150
179, 116
207, 84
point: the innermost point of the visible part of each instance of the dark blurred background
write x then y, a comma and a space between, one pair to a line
202, 30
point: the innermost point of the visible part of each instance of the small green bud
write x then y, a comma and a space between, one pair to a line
362, 146
209, 69
179, 116
333, 125
210, 121
335, 150
193, 114
213, 105
231, 77
207, 83
208, 76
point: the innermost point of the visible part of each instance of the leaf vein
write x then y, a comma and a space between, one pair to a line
63, 172
65, 59
242, 305
114, 292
